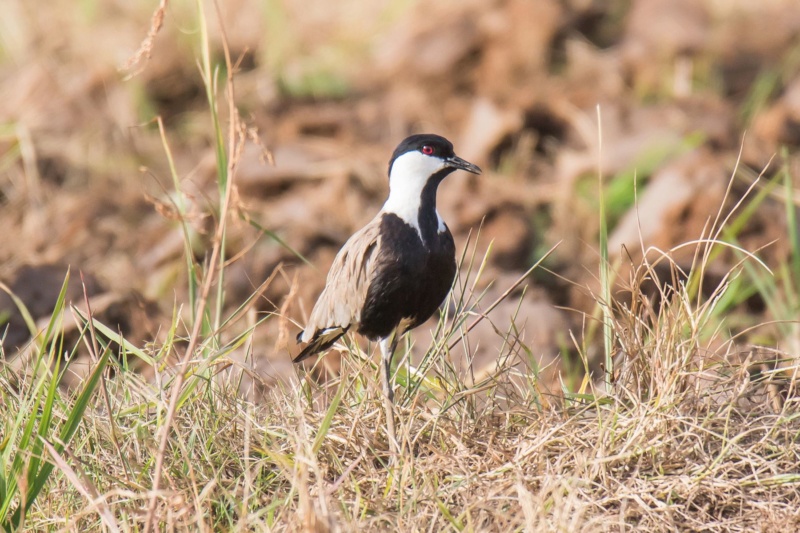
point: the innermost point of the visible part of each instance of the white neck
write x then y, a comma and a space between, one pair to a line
407, 178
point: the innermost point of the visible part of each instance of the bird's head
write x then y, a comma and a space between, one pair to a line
420, 158
418, 165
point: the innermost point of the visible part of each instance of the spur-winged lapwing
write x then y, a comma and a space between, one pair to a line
395, 272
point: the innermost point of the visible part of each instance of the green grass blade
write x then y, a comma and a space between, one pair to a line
791, 214
191, 270
55, 317
326, 422
605, 282
448, 516
71, 425
44, 423
39, 407
115, 337
274, 236
30, 323
28, 447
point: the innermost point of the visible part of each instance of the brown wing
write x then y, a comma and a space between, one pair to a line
339, 306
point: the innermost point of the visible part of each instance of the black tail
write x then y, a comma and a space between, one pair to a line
323, 340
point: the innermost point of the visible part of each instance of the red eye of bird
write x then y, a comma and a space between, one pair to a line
427, 150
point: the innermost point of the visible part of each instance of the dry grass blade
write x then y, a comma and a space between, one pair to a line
93, 348
85, 487
146, 47
505, 294
177, 384
211, 273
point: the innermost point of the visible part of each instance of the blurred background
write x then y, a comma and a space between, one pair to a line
697, 98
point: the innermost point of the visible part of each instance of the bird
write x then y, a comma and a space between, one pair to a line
395, 272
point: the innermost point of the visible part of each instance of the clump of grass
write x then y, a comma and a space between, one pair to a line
683, 440
40, 419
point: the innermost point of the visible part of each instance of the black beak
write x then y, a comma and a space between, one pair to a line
457, 162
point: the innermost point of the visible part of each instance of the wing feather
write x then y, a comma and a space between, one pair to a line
339, 306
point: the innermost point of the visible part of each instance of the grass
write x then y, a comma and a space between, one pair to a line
691, 431
43, 420
687, 436
683, 441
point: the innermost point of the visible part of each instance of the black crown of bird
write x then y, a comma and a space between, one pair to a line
395, 272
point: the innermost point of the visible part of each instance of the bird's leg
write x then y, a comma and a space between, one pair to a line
388, 346
387, 352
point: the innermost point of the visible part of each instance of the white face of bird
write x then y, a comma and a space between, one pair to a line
407, 177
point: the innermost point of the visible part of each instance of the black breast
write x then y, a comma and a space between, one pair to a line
411, 278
